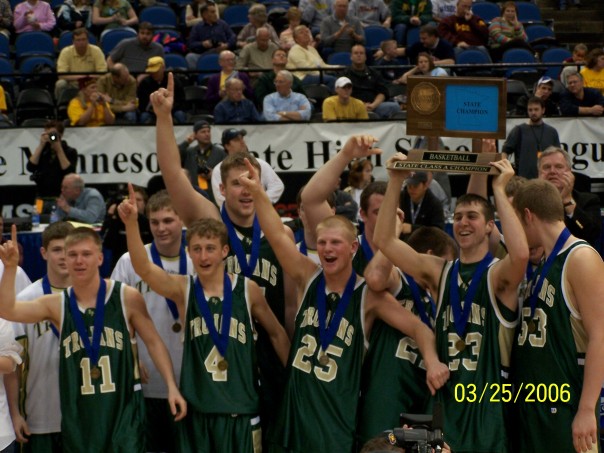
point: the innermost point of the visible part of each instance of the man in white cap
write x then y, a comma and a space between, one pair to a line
343, 106
543, 90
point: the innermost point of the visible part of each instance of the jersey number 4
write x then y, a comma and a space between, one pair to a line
325, 373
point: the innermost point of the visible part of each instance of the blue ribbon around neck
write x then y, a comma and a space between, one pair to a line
220, 340
419, 302
47, 289
247, 268
182, 270
92, 349
327, 333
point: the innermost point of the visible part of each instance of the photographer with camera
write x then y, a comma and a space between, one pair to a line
50, 162
200, 158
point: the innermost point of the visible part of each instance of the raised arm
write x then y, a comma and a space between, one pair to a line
143, 325
384, 306
509, 272
298, 266
425, 269
262, 313
170, 286
324, 181
189, 204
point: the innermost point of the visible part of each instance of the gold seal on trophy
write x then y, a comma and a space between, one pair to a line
425, 98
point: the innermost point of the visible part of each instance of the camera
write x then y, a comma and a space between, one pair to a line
53, 137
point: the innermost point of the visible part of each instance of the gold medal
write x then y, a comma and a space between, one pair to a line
95, 373
324, 359
532, 327
460, 345
176, 327
223, 365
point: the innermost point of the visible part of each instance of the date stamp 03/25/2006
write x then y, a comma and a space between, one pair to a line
506, 393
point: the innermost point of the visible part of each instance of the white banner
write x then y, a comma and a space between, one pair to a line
127, 154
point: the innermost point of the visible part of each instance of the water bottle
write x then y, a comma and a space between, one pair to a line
35, 218
54, 215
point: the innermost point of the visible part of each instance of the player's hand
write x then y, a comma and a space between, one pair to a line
250, 179
178, 405
9, 251
21, 429
506, 172
360, 146
127, 209
584, 430
437, 375
162, 100
397, 175
144, 372
489, 145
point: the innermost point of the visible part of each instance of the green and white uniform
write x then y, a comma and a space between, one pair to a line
551, 356
218, 396
394, 375
320, 402
105, 414
473, 426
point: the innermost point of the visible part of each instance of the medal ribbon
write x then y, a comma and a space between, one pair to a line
327, 333
247, 268
92, 349
221, 341
182, 270
460, 318
419, 302
303, 248
366, 247
564, 235
48, 290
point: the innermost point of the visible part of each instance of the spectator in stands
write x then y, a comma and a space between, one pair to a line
217, 82
258, 54
371, 12
442, 52
52, 159
527, 141
359, 178
420, 205
74, 14
407, 14
286, 38
285, 104
110, 14
343, 106
80, 203
89, 108
235, 109
425, 67
158, 78
212, 35
233, 142
258, 18
340, 30
593, 72
507, 32
577, 100
120, 87
304, 55
135, 52
193, 13
390, 57
543, 90
581, 209
81, 57
6, 18
265, 84
574, 61
464, 30
313, 13
33, 15
443, 8
368, 85
200, 159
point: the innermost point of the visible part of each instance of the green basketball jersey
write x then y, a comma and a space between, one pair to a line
470, 426
394, 375
360, 260
207, 388
105, 414
319, 407
553, 354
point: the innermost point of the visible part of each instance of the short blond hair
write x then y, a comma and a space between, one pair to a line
338, 221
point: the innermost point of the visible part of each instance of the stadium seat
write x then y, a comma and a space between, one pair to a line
512, 56
554, 55
486, 11
529, 13
515, 89
159, 16
471, 57
113, 37
4, 46
208, 62
63, 102
34, 43
175, 61
339, 58
7, 71
195, 99
540, 37
316, 94
374, 35
412, 36
34, 103
236, 15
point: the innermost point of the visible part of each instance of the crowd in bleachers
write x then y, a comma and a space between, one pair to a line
95, 64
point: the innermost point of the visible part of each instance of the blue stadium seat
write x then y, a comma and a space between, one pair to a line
473, 56
175, 61
113, 37
374, 35
236, 15
207, 62
486, 11
512, 56
555, 55
528, 13
540, 37
4, 46
339, 58
34, 43
159, 16
412, 36
27, 66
